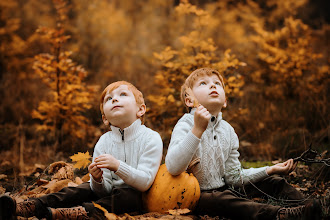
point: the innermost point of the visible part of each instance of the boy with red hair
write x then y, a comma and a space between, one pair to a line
125, 162
203, 134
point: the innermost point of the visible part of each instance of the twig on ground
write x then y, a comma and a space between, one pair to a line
309, 156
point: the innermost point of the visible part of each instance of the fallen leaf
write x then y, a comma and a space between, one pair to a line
57, 186
2, 190
49, 184
3, 176
109, 216
54, 167
72, 184
82, 160
293, 173
78, 180
86, 177
64, 173
178, 211
42, 182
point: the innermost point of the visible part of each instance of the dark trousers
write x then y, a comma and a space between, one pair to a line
229, 203
121, 200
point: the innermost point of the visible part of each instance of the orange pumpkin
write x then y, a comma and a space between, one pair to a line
172, 192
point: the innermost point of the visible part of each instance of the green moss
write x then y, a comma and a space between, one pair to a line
255, 164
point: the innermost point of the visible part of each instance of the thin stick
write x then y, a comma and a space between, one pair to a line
309, 156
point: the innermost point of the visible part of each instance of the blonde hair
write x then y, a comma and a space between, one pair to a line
193, 77
137, 94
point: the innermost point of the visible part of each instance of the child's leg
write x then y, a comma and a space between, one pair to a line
121, 200
68, 197
276, 187
227, 204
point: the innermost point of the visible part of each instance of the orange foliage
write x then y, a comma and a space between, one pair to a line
289, 61
196, 51
291, 81
69, 96
279, 97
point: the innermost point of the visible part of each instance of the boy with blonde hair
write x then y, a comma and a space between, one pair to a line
125, 162
203, 135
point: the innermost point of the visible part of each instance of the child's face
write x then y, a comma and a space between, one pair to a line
209, 92
120, 107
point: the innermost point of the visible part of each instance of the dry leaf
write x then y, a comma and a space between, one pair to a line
64, 173
82, 160
42, 182
2, 190
57, 186
178, 211
78, 180
54, 167
72, 184
3, 176
86, 177
192, 97
293, 174
49, 184
109, 216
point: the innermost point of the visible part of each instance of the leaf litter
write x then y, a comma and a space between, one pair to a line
61, 174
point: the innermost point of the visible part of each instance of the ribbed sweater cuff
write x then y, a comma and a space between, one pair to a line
96, 186
123, 170
191, 142
262, 174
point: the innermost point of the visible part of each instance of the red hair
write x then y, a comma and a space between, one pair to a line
137, 94
194, 76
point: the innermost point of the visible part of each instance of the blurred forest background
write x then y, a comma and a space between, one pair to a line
57, 56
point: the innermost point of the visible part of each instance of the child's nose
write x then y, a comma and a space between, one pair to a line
114, 100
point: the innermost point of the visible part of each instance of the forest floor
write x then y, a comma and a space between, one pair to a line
313, 180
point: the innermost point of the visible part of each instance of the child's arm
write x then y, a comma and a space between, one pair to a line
101, 186
142, 177
185, 140
282, 168
201, 120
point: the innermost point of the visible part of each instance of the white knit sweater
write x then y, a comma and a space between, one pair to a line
217, 149
139, 150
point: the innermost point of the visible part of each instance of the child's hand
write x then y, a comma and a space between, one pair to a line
201, 120
282, 168
95, 172
107, 161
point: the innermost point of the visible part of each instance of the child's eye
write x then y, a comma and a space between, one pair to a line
202, 83
123, 94
108, 98
218, 83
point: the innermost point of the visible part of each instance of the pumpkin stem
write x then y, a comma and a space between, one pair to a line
192, 164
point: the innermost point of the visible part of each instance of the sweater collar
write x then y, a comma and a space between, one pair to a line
213, 120
128, 133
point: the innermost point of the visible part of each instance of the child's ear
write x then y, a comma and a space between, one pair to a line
189, 102
225, 104
105, 120
141, 111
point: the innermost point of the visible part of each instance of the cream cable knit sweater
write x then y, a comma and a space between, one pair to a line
217, 149
139, 150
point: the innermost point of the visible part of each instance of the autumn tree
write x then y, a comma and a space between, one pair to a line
63, 113
196, 50
17, 84
291, 82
